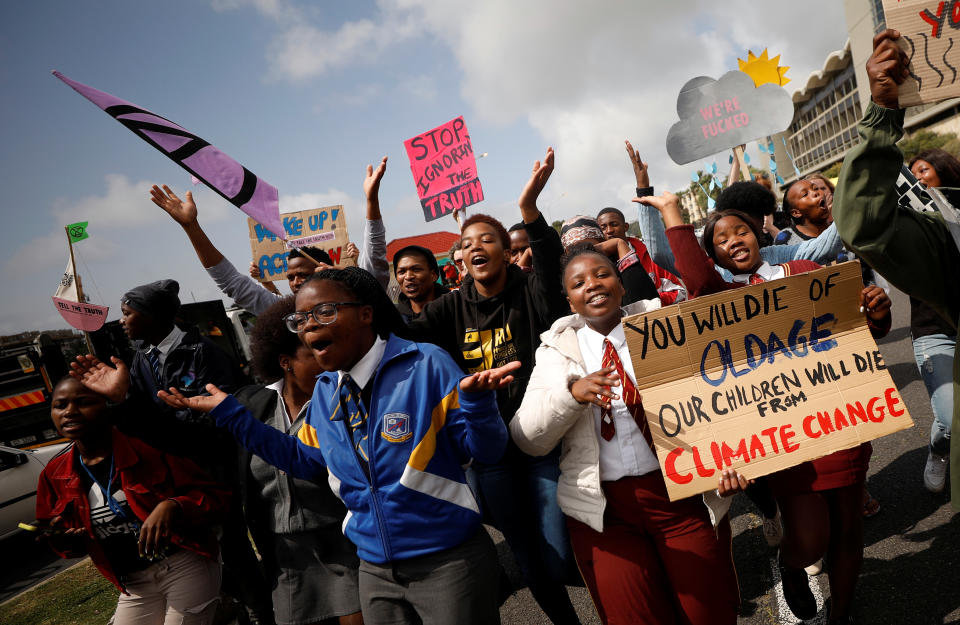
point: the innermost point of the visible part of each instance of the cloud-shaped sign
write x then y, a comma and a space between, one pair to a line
720, 114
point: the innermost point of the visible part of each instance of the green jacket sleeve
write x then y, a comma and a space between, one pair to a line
913, 251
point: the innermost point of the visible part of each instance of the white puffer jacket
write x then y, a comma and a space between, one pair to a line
549, 414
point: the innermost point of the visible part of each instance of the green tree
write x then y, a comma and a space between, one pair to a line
926, 140
557, 225
833, 171
700, 195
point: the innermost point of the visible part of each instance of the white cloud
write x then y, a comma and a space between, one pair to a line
587, 76
123, 210
275, 9
303, 51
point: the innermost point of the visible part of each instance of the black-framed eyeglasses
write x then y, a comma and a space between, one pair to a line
324, 314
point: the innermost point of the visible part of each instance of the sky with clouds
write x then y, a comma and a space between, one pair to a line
306, 94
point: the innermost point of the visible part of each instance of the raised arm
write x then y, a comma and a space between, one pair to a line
545, 246
184, 212
373, 256
648, 218
913, 250
694, 266
245, 291
533, 188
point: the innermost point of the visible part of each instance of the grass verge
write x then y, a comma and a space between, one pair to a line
78, 596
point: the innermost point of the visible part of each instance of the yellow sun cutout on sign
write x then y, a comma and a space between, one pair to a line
763, 70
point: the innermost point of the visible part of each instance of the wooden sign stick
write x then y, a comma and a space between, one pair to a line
738, 154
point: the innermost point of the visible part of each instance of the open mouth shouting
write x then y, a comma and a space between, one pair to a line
739, 254
479, 261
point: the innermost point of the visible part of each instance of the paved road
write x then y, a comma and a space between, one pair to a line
911, 568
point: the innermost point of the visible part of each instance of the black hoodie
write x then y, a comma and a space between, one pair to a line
486, 332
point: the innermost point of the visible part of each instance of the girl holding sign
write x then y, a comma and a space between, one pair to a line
644, 558
821, 499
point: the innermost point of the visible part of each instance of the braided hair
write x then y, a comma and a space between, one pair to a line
582, 249
367, 290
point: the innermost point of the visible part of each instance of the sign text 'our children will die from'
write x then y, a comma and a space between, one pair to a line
444, 169
761, 378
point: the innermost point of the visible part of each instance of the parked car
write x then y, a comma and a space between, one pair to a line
19, 472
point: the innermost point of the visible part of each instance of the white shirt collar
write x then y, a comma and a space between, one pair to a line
766, 271
363, 371
170, 341
278, 387
616, 336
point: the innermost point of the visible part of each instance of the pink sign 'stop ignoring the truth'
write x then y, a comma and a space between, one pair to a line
444, 169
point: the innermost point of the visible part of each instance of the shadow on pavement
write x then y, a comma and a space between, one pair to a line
911, 569
28, 563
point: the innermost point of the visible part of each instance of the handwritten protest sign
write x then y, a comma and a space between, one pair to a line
761, 378
444, 169
930, 36
720, 114
324, 228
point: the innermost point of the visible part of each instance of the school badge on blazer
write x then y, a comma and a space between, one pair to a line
396, 427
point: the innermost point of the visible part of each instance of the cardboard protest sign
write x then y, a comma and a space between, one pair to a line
930, 36
444, 169
761, 378
719, 114
324, 228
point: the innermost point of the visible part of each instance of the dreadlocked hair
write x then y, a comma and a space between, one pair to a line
367, 290
582, 249
271, 339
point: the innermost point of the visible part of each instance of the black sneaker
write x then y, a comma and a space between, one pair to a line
796, 590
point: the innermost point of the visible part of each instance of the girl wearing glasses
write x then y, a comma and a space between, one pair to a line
390, 425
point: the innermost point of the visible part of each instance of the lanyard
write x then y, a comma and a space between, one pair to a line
112, 503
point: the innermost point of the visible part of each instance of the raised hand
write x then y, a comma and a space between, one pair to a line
184, 212
111, 382
668, 204
639, 167
887, 69
371, 184
596, 387
198, 403
489, 380
533, 188
350, 250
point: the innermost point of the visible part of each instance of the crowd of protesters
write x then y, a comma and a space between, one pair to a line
353, 483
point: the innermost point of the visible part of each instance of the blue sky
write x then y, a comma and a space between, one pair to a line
306, 94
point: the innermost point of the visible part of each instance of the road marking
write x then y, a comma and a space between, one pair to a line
785, 616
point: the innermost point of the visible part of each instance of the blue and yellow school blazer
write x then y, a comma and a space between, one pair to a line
421, 429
